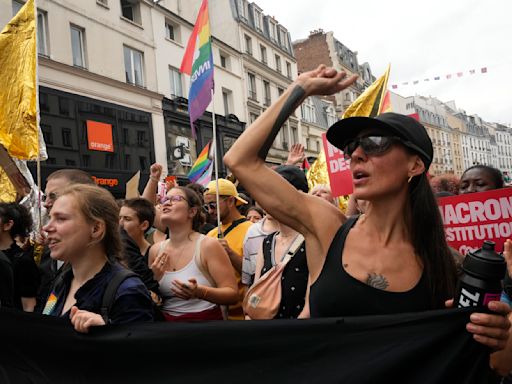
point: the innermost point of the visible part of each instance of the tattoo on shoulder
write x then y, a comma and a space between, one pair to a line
377, 281
296, 96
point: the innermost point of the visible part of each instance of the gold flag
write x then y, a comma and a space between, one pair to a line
367, 104
18, 58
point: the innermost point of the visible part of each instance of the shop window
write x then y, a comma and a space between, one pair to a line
109, 161
47, 134
143, 163
86, 160
141, 138
70, 163
127, 162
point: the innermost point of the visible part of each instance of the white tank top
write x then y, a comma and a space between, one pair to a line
174, 305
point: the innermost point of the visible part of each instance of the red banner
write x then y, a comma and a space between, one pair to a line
472, 218
338, 168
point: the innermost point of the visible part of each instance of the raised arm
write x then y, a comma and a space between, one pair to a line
246, 158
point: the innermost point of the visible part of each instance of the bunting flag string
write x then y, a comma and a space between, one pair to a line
438, 78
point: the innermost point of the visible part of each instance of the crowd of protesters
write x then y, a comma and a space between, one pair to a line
163, 257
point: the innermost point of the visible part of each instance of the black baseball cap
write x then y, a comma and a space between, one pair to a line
294, 175
413, 134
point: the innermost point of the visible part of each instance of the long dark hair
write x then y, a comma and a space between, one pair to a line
428, 239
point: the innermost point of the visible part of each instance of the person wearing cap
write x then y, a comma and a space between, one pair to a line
233, 229
294, 280
393, 258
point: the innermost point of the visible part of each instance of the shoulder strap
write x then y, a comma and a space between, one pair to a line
110, 292
294, 248
234, 225
199, 262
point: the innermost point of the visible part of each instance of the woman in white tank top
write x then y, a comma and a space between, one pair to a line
194, 271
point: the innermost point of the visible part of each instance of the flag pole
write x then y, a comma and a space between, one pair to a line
216, 165
38, 119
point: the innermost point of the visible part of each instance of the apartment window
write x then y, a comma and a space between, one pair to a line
225, 62
172, 31
130, 10
66, 137
70, 163
42, 34
126, 136
263, 54
252, 117
78, 46
241, 8
257, 19
295, 135
278, 63
280, 91
227, 98
288, 70
251, 86
248, 44
175, 82
64, 106
282, 38
266, 91
272, 31
308, 144
133, 64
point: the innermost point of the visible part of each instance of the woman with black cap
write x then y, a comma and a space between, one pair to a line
392, 259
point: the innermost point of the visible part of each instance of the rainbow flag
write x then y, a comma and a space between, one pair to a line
201, 165
198, 63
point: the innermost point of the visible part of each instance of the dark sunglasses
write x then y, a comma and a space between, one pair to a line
371, 145
51, 196
213, 205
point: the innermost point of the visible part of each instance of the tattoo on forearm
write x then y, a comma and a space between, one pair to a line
377, 281
293, 101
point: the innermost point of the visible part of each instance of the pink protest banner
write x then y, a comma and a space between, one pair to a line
338, 169
472, 218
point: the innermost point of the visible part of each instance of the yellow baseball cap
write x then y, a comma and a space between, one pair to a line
226, 188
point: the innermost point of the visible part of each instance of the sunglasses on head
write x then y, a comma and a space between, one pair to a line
371, 145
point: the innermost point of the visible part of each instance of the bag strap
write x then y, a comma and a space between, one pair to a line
299, 239
110, 292
199, 262
233, 226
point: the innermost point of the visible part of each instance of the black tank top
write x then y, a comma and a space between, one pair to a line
336, 293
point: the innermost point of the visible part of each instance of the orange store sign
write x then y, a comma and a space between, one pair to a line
99, 136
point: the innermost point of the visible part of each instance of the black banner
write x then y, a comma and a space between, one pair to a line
429, 347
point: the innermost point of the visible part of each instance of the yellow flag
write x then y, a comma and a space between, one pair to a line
367, 104
18, 87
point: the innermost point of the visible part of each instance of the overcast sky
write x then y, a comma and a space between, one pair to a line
421, 40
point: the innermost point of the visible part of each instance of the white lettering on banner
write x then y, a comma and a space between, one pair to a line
199, 71
338, 165
332, 150
477, 211
101, 146
479, 232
